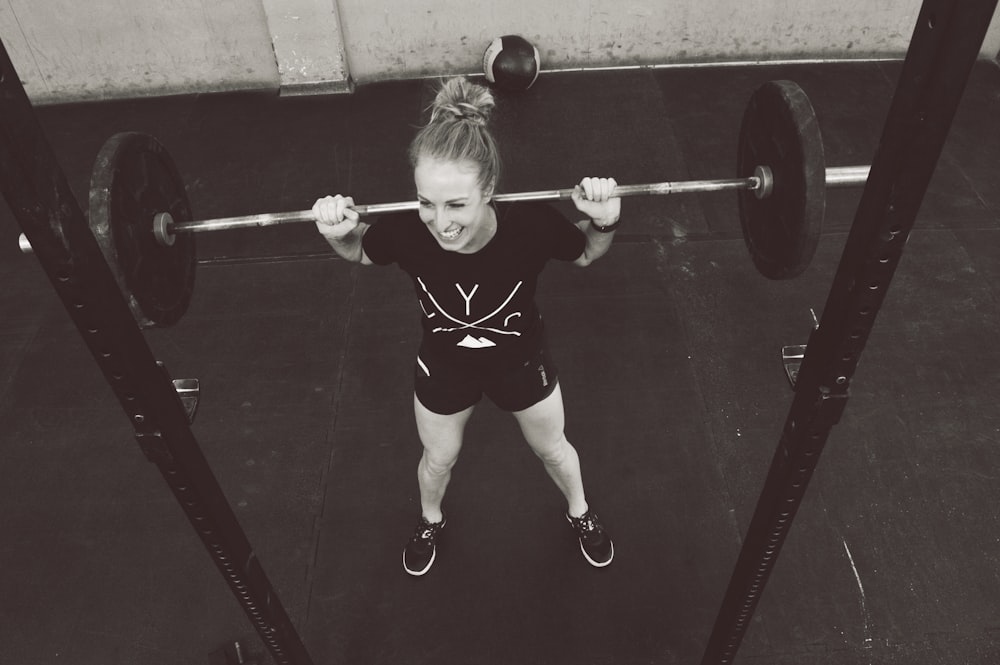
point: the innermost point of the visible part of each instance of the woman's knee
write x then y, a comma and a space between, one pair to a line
438, 463
554, 452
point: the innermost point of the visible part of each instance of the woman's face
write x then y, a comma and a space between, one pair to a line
454, 208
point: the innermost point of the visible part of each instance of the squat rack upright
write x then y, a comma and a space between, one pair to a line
944, 47
38, 194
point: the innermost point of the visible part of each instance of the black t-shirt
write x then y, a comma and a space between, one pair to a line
478, 309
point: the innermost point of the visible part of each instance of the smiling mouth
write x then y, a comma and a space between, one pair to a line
452, 235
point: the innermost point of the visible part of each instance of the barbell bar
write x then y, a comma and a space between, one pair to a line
140, 215
762, 183
165, 228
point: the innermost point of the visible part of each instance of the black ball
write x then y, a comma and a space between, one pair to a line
511, 62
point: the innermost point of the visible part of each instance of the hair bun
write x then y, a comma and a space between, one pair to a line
460, 99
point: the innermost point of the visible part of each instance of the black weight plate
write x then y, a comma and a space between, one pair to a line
779, 130
133, 179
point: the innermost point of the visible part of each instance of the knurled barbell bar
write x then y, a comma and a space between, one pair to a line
761, 184
142, 220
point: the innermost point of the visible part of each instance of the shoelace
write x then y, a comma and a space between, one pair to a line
427, 531
586, 523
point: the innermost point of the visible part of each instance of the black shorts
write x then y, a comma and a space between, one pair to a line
447, 388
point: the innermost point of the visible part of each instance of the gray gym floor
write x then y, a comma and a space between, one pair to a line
669, 350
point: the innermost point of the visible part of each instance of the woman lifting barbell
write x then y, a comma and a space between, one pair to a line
475, 274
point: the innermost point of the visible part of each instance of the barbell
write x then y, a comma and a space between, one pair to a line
140, 215
165, 229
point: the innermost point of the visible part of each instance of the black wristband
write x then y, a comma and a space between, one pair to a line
606, 229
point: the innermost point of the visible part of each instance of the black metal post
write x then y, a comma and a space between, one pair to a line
942, 51
38, 194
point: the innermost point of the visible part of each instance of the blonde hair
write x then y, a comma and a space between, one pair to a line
458, 130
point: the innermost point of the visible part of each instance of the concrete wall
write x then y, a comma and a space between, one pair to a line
403, 39
308, 45
74, 49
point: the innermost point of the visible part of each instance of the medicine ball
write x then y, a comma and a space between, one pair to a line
511, 62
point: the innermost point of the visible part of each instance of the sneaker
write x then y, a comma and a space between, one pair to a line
595, 543
419, 553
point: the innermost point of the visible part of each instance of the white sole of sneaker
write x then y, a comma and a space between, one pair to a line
431, 563
596, 564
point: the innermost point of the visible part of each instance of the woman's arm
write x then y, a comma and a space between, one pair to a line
598, 242
593, 197
339, 223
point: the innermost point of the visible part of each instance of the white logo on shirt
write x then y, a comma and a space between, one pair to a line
469, 341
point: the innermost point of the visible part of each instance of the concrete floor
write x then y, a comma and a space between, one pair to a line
675, 394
